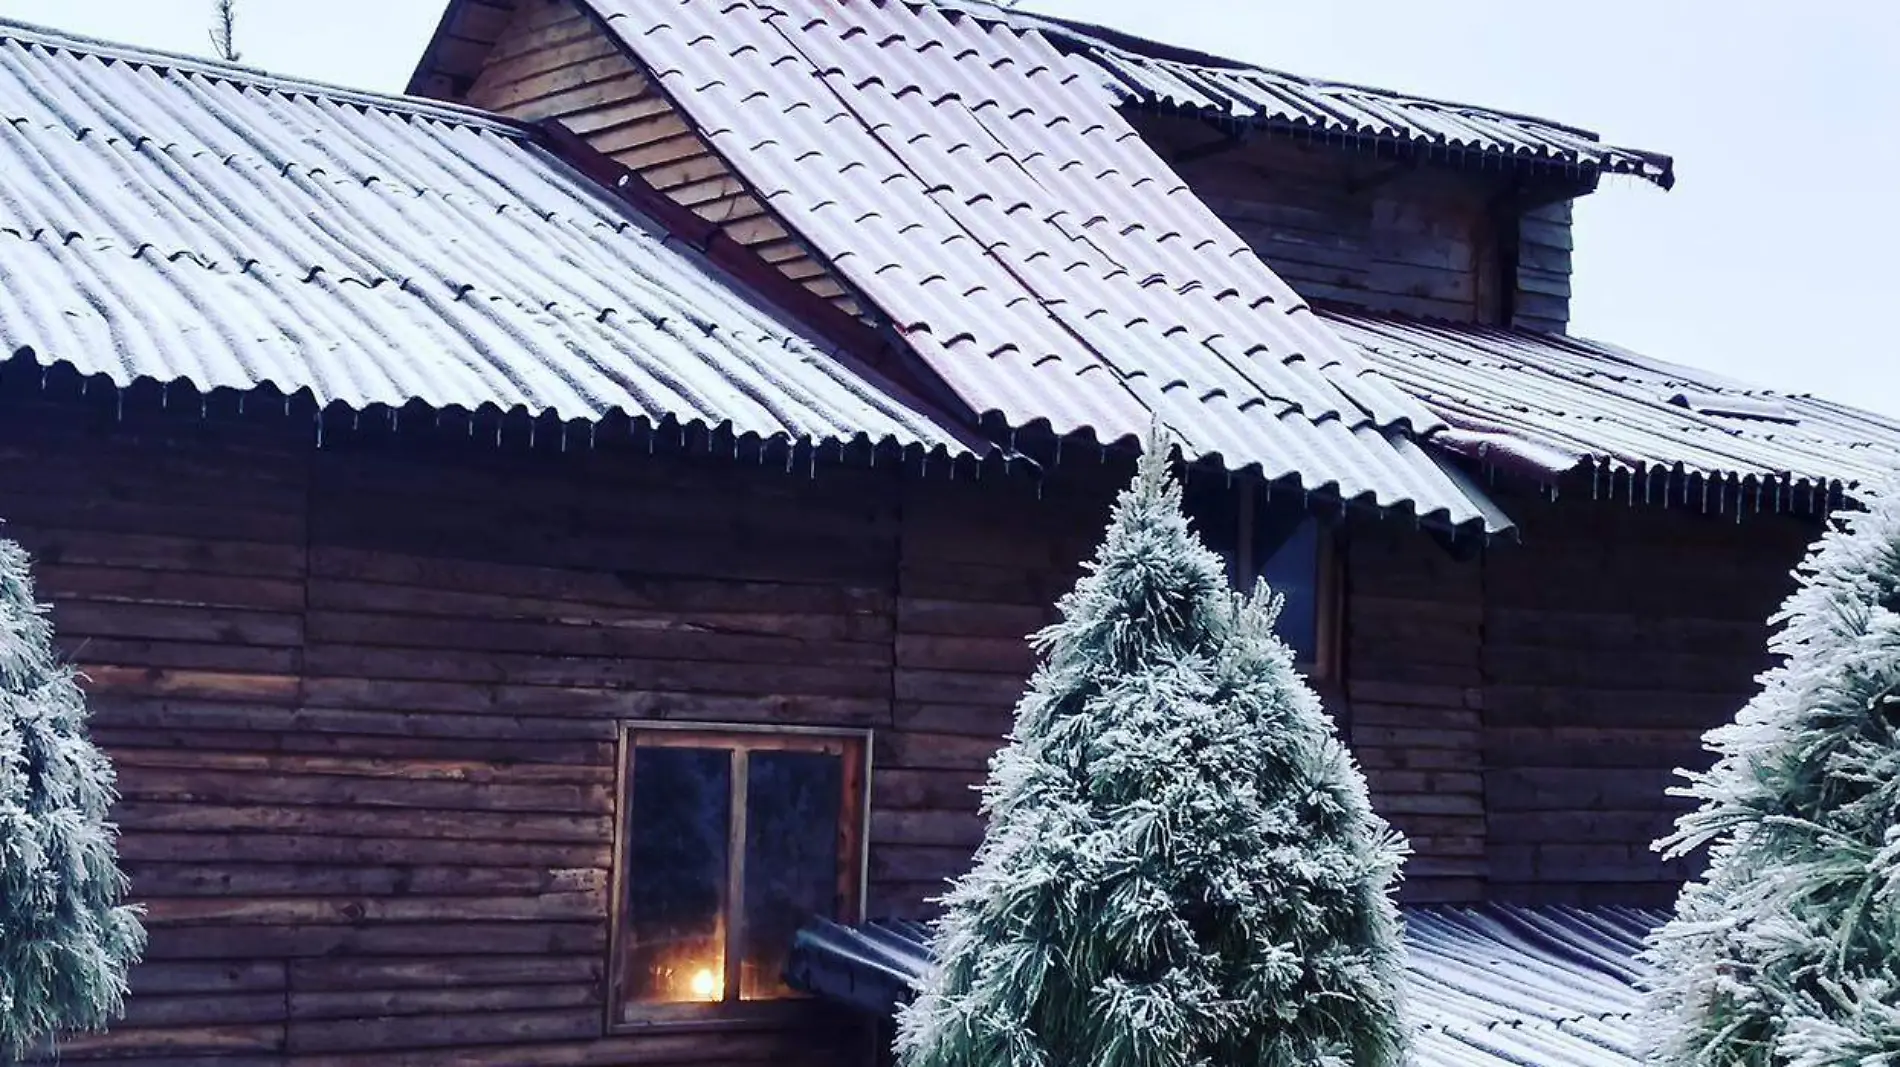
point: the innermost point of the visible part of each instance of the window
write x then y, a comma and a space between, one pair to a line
730, 839
1275, 540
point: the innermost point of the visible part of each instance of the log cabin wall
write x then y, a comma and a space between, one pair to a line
1362, 230
551, 60
1413, 701
363, 704
1613, 638
363, 700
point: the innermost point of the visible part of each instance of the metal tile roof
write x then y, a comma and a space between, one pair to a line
1035, 252
1148, 74
172, 219
1553, 403
1490, 986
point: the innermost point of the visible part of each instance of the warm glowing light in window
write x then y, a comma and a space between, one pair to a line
705, 985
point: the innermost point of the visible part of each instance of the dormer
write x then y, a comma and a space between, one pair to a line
1361, 199
1365, 199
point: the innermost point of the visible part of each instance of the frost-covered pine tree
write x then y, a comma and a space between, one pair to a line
1787, 951
65, 938
1181, 866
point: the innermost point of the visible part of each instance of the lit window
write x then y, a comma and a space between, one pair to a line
1273, 540
731, 840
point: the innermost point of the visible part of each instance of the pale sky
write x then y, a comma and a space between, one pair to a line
1775, 259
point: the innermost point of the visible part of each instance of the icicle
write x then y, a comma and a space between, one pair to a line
204, 406
1705, 495
563, 438
240, 403
356, 420
1649, 485
165, 396
811, 461
1104, 455
1057, 463
533, 425
319, 419
593, 428
499, 419
1632, 489
119, 408
1596, 475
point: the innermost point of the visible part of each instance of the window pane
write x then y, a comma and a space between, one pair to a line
1292, 570
678, 825
794, 802
1213, 509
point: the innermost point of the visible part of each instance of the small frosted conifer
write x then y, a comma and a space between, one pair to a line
1787, 951
1181, 866
65, 938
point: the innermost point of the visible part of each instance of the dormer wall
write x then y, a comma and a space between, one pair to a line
1377, 232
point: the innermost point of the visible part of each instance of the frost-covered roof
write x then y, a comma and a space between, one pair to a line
178, 220
1489, 986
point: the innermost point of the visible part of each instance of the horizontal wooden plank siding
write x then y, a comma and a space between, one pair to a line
553, 61
1344, 227
1354, 229
1612, 642
363, 699
1414, 702
982, 566
1541, 300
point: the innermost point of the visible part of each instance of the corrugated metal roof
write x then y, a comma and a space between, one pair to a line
1490, 986
1555, 403
176, 220
1150, 74
1035, 252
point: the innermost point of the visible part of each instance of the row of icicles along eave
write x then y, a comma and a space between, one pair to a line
1721, 493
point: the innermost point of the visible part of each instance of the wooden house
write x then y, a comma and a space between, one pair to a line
535, 550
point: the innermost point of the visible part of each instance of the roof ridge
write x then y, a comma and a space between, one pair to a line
78, 44
1125, 41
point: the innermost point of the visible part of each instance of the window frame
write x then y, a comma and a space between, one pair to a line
1328, 579
854, 746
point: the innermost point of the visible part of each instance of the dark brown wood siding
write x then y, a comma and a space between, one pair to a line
552, 61
1353, 229
1613, 638
1414, 688
363, 700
